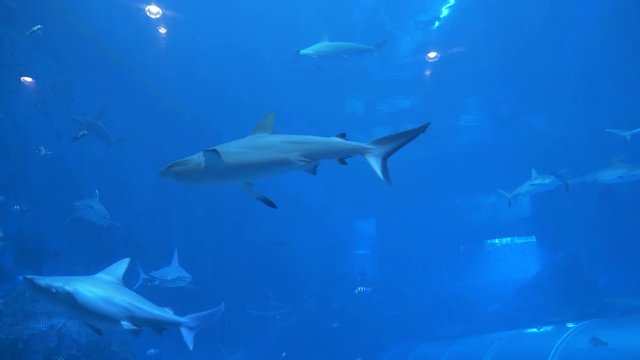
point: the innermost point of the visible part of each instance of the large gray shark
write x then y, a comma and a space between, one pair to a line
103, 298
171, 276
626, 134
92, 210
265, 153
94, 127
615, 174
536, 184
326, 48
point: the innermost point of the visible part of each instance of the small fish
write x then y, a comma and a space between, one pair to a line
363, 290
152, 352
18, 209
44, 153
35, 30
80, 135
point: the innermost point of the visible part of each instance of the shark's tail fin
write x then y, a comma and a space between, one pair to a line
141, 276
623, 133
384, 147
195, 322
508, 196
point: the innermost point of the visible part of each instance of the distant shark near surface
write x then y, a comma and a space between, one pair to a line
626, 134
92, 211
326, 48
102, 298
536, 184
265, 153
171, 276
615, 174
94, 127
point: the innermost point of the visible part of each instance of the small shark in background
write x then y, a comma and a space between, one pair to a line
92, 210
626, 134
35, 30
94, 127
171, 276
265, 153
536, 184
103, 298
326, 48
615, 174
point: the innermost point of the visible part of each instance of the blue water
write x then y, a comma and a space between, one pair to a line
518, 85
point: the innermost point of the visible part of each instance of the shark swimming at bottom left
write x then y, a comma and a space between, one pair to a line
103, 298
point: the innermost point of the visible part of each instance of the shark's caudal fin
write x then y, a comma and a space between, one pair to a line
195, 322
508, 196
141, 277
384, 147
625, 134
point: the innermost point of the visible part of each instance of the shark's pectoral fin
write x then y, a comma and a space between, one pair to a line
342, 161
302, 161
94, 328
262, 198
307, 164
130, 327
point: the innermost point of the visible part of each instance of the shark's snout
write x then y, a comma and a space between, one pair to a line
171, 170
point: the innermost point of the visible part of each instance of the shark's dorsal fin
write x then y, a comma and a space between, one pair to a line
116, 271
342, 136
265, 126
534, 173
174, 261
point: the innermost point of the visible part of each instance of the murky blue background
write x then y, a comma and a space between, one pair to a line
519, 85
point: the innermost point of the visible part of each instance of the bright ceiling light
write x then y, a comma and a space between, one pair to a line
153, 11
27, 80
432, 56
